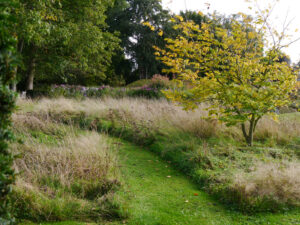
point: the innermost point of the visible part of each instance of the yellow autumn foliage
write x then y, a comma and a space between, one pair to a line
231, 69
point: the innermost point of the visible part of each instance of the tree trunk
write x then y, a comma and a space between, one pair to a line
249, 137
14, 86
14, 83
142, 73
245, 133
19, 48
30, 74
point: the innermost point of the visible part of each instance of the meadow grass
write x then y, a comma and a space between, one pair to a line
64, 173
155, 192
213, 155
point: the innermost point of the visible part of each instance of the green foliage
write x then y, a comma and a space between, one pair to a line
126, 18
65, 41
8, 61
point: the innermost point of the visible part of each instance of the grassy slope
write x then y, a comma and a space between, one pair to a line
161, 199
155, 198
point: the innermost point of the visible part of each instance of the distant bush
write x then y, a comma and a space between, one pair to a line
139, 83
81, 92
160, 82
145, 91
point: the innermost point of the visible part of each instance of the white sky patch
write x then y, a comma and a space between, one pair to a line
282, 9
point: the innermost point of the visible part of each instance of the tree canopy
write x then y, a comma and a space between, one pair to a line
137, 40
65, 41
243, 79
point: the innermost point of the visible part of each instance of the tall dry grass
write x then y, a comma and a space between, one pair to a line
282, 131
162, 114
159, 113
60, 169
87, 156
278, 182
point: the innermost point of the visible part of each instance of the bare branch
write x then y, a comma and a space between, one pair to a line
288, 44
266, 20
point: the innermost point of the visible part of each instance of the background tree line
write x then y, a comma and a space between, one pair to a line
92, 42
87, 42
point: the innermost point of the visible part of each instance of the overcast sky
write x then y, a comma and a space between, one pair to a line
292, 7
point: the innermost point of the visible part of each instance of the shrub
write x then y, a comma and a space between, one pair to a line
7, 177
81, 92
160, 82
8, 61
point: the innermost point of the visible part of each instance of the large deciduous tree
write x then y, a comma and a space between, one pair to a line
244, 79
65, 40
137, 40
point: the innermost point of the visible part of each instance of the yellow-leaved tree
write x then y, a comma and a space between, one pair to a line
244, 76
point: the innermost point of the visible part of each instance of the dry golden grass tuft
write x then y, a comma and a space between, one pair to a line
282, 131
278, 182
85, 157
63, 173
